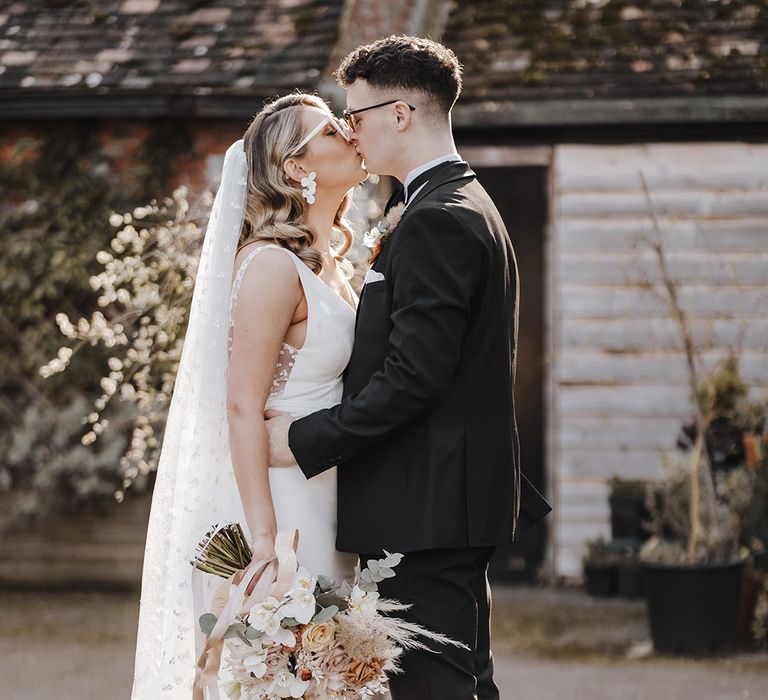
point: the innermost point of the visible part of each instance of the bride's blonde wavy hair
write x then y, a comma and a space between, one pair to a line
275, 210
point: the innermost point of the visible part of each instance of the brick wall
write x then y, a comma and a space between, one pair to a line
121, 140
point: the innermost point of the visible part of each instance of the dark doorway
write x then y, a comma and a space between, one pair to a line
521, 195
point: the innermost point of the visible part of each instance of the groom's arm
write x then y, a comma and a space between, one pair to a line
435, 271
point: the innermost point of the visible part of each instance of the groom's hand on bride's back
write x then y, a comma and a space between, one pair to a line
277, 423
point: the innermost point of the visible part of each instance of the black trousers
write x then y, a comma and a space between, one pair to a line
449, 593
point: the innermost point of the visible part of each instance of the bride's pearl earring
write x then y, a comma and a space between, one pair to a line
309, 187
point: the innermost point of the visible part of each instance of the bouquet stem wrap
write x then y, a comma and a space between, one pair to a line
269, 576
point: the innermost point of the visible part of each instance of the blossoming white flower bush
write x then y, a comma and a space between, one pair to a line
145, 288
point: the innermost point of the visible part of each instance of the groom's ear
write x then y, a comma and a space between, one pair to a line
403, 116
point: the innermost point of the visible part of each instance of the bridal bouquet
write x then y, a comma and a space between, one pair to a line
302, 635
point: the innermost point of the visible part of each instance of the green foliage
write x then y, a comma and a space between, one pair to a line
46, 467
725, 392
756, 517
629, 489
58, 192
53, 222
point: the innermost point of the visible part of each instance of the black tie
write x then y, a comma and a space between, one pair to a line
398, 197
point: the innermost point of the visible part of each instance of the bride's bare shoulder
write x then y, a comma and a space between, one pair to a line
271, 266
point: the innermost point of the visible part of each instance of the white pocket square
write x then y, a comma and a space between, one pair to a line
373, 276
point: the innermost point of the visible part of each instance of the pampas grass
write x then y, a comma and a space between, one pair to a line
369, 635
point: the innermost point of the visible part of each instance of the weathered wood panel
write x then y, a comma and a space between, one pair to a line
625, 335
620, 387
709, 166
636, 463
689, 267
629, 234
650, 366
702, 301
668, 202
612, 432
86, 551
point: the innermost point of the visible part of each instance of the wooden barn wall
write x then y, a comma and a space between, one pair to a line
617, 371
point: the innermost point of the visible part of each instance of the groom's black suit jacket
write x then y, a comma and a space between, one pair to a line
425, 436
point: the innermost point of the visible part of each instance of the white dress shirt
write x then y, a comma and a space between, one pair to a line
413, 174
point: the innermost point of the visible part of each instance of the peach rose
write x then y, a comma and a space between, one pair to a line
315, 638
361, 673
335, 660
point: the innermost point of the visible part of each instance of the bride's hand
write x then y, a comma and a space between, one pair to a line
263, 548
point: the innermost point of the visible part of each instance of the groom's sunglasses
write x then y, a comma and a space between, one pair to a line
349, 114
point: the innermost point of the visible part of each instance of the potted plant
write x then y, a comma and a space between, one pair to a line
753, 610
600, 563
629, 513
694, 562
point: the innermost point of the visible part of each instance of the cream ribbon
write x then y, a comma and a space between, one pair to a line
271, 576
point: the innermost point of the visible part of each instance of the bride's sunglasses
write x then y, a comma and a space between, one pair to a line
335, 122
349, 114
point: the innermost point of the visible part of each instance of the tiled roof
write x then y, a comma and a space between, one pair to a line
109, 48
525, 50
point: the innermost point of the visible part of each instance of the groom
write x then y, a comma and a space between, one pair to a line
425, 437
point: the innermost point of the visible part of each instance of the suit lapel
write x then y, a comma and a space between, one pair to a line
451, 172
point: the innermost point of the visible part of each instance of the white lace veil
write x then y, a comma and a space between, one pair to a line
195, 485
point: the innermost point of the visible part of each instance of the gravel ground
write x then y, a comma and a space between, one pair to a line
548, 645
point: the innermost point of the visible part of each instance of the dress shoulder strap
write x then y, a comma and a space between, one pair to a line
241, 274
246, 263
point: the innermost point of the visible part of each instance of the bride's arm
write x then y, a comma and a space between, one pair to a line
266, 305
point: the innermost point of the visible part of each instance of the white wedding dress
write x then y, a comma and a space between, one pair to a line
201, 490
195, 486
307, 380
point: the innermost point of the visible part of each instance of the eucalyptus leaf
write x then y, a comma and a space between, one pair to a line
289, 622
252, 633
207, 623
326, 599
368, 586
236, 629
325, 614
386, 572
373, 566
392, 559
326, 584
244, 638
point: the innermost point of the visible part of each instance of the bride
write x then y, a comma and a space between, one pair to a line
271, 327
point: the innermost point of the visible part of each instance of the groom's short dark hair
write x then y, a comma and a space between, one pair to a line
408, 62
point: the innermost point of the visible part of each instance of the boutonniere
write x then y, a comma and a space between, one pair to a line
377, 236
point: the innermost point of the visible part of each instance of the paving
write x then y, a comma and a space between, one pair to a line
548, 645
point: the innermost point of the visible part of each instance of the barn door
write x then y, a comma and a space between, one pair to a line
520, 193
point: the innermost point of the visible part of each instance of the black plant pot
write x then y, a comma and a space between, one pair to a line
600, 580
693, 608
629, 581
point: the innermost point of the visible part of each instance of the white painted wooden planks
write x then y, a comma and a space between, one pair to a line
626, 235
645, 367
620, 388
704, 166
688, 267
637, 335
